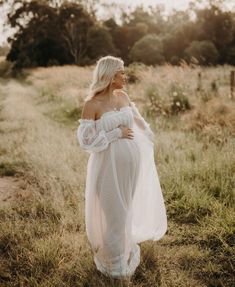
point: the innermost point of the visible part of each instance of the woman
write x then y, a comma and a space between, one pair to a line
123, 199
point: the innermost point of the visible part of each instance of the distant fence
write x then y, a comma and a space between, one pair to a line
232, 83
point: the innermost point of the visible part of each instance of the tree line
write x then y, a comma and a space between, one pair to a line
54, 32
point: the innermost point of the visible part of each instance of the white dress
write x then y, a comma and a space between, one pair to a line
123, 198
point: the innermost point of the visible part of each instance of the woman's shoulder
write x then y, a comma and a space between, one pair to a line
90, 103
89, 109
123, 94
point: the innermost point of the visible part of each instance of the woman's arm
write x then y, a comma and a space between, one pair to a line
92, 140
89, 138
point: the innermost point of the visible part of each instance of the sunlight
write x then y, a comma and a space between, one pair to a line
169, 4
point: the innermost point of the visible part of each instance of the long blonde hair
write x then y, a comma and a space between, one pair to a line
104, 72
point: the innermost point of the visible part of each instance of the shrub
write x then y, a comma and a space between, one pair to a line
132, 72
231, 55
156, 104
100, 43
179, 100
6, 69
148, 49
204, 51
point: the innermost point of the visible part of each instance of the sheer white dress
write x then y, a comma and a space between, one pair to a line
123, 199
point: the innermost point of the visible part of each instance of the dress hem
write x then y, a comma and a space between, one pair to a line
126, 271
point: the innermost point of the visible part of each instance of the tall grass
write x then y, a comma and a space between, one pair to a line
43, 240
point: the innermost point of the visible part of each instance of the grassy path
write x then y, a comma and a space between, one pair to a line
42, 235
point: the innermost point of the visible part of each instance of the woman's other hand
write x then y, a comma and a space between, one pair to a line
126, 132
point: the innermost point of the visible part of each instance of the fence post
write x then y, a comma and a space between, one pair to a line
232, 83
199, 83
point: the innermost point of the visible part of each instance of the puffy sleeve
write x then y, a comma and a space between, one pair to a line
92, 140
141, 123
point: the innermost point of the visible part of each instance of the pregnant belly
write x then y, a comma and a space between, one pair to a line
126, 153
126, 165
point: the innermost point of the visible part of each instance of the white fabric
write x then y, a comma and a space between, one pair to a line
123, 199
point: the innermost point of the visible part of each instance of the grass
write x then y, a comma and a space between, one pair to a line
42, 237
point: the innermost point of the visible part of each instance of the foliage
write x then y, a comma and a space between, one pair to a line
176, 41
51, 36
148, 50
132, 72
124, 37
179, 99
231, 55
176, 103
97, 36
152, 19
157, 106
204, 51
58, 33
217, 26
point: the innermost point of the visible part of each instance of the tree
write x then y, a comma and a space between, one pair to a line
66, 32
152, 18
50, 34
230, 57
74, 27
177, 40
148, 50
100, 43
204, 51
217, 26
124, 37
36, 41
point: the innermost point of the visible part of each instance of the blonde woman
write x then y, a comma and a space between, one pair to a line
123, 199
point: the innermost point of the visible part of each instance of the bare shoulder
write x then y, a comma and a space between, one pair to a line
124, 96
89, 109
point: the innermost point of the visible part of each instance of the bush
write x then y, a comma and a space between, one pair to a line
132, 72
156, 105
6, 69
152, 93
100, 43
148, 49
231, 55
204, 51
179, 100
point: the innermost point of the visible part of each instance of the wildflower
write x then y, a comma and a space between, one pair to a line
177, 104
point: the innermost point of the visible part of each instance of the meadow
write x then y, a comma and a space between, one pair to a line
42, 177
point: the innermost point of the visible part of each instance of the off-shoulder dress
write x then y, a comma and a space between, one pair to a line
124, 204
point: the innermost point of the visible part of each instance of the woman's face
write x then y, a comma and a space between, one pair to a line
120, 79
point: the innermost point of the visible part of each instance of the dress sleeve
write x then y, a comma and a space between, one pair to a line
141, 123
92, 140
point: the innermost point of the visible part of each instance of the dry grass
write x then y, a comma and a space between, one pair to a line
42, 238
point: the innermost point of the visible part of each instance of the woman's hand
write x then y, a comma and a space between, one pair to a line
126, 132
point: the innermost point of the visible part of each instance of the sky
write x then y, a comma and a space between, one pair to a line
169, 5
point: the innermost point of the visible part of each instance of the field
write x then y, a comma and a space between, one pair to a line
42, 168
